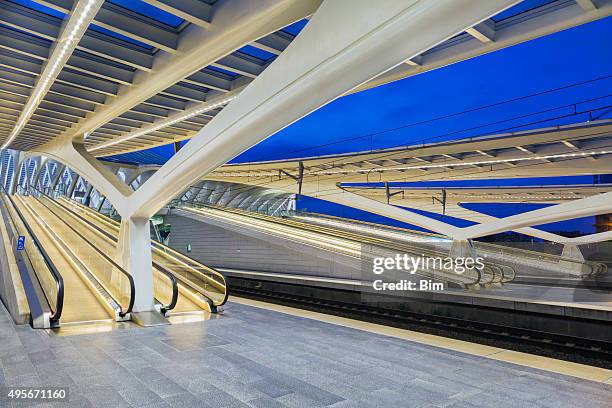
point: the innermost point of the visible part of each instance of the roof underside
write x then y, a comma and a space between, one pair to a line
127, 38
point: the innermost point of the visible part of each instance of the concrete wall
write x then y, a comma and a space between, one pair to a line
224, 245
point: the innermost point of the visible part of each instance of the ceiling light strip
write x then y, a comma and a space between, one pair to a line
64, 46
171, 120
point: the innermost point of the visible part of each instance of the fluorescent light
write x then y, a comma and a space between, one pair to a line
189, 113
64, 46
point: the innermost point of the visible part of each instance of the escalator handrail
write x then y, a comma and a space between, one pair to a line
158, 246
161, 268
164, 247
350, 235
593, 265
129, 277
215, 273
57, 277
341, 234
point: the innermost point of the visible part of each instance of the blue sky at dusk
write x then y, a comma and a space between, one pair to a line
572, 56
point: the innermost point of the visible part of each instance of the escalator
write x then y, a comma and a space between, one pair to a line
184, 305
198, 284
78, 286
493, 273
538, 261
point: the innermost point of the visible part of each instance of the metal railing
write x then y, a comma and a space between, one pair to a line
171, 304
112, 284
509, 254
206, 277
526, 256
47, 275
492, 272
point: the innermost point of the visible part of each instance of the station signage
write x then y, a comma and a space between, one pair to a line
21, 243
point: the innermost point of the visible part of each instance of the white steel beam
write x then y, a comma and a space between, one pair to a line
355, 41
293, 86
587, 5
93, 42
484, 32
235, 24
196, 109
585, 207
126, 22
591, 238
274, 43
523, 29
195, 11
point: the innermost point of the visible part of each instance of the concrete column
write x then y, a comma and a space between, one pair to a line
462, 249
575, 261
134, 253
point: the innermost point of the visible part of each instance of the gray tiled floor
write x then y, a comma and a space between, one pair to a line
259, 358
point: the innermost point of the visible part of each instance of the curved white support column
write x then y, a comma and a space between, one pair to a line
134, 253
89, 168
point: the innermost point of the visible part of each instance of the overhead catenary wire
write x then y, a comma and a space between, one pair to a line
442, 117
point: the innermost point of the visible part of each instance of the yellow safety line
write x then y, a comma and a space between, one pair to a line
495, 353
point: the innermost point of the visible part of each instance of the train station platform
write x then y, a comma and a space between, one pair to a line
261, 355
